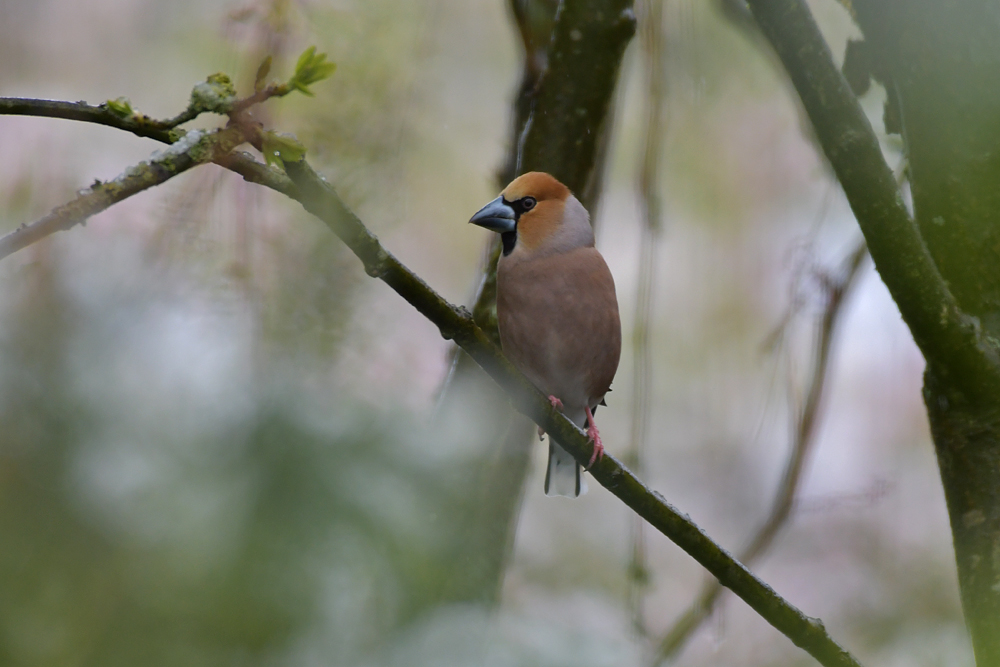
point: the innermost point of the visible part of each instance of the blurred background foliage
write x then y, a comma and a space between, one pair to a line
216, 443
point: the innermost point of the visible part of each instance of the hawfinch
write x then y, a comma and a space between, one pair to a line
556, 307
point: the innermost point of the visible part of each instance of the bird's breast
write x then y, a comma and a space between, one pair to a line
559, 323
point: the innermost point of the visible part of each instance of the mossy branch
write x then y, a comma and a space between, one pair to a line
319, 198
950, 339
188, 149
195, 148
137, 124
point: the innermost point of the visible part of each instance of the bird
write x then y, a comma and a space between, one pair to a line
557, 310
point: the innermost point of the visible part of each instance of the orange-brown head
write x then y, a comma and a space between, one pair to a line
537, 213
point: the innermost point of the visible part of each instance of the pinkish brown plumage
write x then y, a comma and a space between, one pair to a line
556, 306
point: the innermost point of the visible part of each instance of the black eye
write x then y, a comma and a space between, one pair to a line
528, 203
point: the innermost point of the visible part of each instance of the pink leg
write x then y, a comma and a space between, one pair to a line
557, 404
596, 437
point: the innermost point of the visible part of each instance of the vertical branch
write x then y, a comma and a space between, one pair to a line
496, 491
564, 130
573, 52
938, 61
837, 290
533, 20
650, 40
949, 338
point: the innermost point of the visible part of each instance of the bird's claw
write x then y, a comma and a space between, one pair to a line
595, 437
598, 446
557, 404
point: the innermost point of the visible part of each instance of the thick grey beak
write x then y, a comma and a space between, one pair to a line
496, 216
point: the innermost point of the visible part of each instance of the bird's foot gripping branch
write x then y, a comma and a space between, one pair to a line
289, 174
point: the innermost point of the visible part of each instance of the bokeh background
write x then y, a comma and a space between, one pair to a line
217, 443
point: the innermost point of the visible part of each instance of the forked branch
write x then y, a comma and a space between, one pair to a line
193, 149
948, 337
319, 198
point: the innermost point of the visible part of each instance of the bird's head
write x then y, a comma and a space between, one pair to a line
537, 214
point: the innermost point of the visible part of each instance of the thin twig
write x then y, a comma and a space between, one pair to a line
651, 41
262, 95
836, 291
241, 163
948, 337
319, 198
139, 125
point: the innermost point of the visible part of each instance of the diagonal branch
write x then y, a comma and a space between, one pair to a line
319, 198
194, 148
805, 429
188, 149
950, 339
241, 163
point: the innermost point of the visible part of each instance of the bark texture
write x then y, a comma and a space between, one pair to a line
967, 440
940, 63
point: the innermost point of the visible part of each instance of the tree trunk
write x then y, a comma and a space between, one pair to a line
967, 440
940, 64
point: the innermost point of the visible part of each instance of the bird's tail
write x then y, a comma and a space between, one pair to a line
563, 477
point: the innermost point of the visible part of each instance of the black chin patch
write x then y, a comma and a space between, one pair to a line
508, 239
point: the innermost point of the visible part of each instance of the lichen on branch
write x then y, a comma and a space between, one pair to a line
216, 94
318, 197
194, 148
